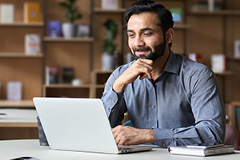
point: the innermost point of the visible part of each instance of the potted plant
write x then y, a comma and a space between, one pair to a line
109, 58
71, 14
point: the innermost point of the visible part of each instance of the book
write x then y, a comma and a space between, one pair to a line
195, 57
177, 15
52, 75
218, 62
215, 5
238, 116
32, 44
7, 13
237, 48
67, 75
14, 90
201, 150
200, 6
54, 28
32, 12
109, 4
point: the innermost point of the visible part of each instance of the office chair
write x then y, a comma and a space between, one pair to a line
127, 123
231, 137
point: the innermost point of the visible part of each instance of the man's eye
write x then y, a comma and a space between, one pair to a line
147, 34
130, 35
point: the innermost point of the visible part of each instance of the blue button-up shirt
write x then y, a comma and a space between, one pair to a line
182, 106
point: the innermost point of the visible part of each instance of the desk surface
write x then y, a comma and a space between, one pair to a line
18, 117
19, 148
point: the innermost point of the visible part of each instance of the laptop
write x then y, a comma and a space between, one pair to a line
79, 124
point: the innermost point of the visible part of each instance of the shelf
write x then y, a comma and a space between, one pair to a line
216, 13
100, 10
102, 72
233, 58
19, 55
66, 86
22, 103
226, 73
67, 90
181, 26
22, 24
100, 86
77, 39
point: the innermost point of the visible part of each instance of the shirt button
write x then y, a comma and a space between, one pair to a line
113, 100
164, 144
153, 106
152, 127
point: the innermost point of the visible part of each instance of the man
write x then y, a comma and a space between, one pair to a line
171, 100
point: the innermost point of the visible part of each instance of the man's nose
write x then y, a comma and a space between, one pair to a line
138, 42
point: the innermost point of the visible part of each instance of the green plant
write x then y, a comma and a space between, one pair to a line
112, 30
71, 10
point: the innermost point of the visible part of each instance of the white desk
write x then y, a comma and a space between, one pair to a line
18, 123
18, 118
18, 148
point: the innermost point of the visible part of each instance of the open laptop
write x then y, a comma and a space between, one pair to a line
79, 124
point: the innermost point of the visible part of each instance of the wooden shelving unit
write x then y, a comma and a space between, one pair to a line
22, 24
15, 65
49, 39
226, 73
217, 13
100, 10
67, 90
18, 104
182, 26
19, 55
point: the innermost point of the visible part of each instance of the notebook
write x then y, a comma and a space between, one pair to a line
79, 124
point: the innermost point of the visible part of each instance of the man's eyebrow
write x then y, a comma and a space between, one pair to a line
146, 29
143, 29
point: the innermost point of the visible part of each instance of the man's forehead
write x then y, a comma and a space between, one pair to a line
143, 23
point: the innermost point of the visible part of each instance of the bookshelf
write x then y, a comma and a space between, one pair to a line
217, 31
15, 65
202, 31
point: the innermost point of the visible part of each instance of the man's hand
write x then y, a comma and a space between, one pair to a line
125, 135
142, 67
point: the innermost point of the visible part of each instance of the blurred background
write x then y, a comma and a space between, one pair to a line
68, 48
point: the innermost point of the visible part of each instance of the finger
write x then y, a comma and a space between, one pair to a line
147, 61
145, 72
147, 65
143, 75
115, 129
123, 141
117, 140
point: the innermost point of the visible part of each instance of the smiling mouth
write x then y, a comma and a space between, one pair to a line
142, 51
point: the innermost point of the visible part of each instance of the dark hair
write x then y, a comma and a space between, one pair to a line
164, 15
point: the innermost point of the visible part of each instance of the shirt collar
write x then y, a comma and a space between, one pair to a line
172, 64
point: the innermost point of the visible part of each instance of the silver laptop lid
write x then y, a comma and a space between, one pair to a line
77, 124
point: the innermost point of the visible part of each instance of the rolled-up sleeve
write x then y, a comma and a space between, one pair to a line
113, 102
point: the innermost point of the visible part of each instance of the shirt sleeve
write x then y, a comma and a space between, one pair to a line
113, 102
209, 113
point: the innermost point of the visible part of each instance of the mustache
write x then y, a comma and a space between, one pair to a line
141, 49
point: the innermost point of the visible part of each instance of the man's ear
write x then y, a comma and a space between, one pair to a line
169, 35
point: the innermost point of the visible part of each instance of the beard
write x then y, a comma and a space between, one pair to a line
158, 51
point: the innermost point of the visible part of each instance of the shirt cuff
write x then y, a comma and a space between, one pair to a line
111, 99
163, 137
